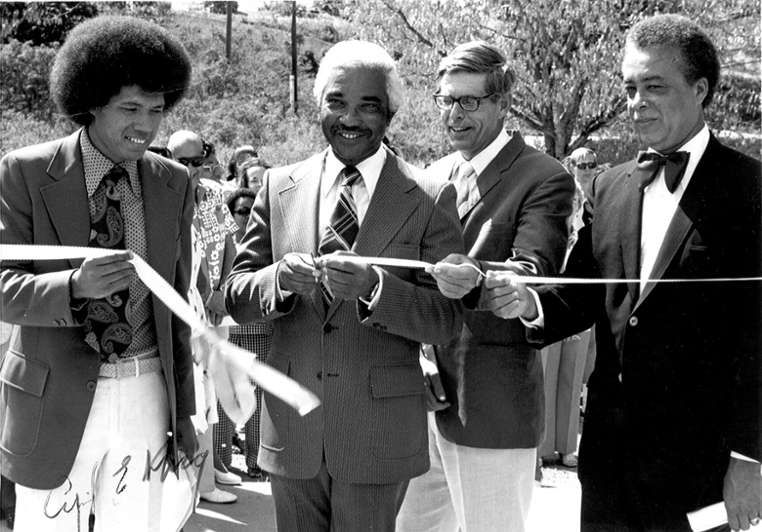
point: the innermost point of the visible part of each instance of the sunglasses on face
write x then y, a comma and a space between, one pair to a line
583, 166
242, 211
192, 161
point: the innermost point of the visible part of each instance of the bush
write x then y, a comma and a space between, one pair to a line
24, 87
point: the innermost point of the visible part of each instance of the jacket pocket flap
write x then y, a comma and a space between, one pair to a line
24, 373
396, 381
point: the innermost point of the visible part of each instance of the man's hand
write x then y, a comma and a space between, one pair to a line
102, 276
453, 277
435, 396
743, 493
297, 274
186, 437
345, 278
215, 308
507, 298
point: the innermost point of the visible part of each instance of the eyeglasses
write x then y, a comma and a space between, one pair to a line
583, 166
211, 167
193, 161
242, 211
467, 103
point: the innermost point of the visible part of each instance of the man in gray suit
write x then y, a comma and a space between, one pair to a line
513, 203
347, 331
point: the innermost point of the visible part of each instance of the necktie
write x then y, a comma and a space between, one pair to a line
465, 181
106, 326
674, 167
341, 231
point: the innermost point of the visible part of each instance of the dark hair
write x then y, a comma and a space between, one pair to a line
697, 56
239, 193
161, 150
482, 58
105, 54
208, 148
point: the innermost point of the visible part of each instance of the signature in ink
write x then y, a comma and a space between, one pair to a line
76, 503
125, 462
163, 462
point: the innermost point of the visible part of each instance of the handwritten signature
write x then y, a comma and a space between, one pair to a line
162, 463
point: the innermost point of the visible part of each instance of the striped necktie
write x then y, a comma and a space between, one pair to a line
341, 231
465, 184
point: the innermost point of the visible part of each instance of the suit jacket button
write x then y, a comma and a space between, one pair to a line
91, 385
633, 321
320, 376
620, 377
327, 328
57, 322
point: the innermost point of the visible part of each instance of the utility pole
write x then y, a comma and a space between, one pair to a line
292, 77
228, 36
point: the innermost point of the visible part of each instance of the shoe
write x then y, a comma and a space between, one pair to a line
228, 478
257, 474
217, 496
569, 460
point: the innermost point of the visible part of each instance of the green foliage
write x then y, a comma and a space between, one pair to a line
220, 8
42, 22
24, 86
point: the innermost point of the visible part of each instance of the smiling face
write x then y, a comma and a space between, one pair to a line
355, 113
664, 107
123, 129
471, 131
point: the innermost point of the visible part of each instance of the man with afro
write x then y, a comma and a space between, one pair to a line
98, 376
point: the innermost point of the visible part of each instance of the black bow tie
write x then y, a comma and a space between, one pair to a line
674, 167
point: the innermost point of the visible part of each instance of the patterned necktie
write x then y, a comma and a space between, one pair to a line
674, 165
106, 327
465, 184
341, 231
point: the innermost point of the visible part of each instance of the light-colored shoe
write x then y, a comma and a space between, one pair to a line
217, 496
229, 478
569, 460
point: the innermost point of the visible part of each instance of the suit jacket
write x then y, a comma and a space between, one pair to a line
676, 385
49, 374
492, 376
371, 426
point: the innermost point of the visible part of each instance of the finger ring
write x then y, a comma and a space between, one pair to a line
755, 521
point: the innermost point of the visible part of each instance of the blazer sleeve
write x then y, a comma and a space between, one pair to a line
30, 296
417, 309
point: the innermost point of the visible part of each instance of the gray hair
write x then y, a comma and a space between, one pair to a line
363, 54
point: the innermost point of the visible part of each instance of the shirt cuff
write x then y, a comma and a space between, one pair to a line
376, 293
539, 322
742, 457
280, 294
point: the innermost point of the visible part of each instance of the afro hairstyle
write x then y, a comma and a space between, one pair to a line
105, 54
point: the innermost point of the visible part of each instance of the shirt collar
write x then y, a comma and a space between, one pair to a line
696, 147
370, 169
481, 160
96, 165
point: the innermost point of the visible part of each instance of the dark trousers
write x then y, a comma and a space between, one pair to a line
324, 504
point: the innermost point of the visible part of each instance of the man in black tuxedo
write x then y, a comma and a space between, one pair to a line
673, 417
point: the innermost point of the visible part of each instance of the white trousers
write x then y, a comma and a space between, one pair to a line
476, 490
129, 419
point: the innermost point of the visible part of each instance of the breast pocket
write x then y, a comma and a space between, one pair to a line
23, 382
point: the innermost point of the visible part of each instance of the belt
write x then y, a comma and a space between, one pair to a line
132, 366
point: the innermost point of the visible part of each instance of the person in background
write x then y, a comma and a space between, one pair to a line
252, 172
213, 227
240, 155
584, 166
98, 369
674, 416
513, 202
254, 337
346, 330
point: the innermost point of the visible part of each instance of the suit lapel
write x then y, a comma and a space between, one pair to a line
163, 211
630, 222
302, 195
688, 210
492, 175
70, 218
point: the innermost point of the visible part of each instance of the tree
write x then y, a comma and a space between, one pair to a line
567, 52
42, 22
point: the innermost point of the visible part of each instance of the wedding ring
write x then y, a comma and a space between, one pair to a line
755, 521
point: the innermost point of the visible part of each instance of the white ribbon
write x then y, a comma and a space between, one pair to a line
229, 366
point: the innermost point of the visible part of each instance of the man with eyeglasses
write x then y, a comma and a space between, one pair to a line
488, 409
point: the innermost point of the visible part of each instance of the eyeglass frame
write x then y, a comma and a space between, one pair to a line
586, 166
458, 101
196, 162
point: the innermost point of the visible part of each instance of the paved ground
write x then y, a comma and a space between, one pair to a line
554, 508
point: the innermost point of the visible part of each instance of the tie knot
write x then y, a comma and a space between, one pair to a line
648, 158
115, 174
349, 176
